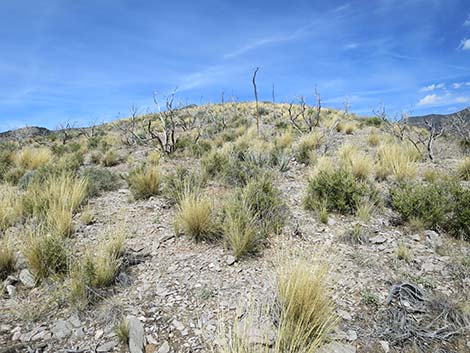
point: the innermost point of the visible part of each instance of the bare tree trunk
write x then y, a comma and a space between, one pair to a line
256, 98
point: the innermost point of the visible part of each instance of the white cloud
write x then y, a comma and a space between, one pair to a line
467, 21
430, 99
457, 85
433, 87
465, 44
442, 100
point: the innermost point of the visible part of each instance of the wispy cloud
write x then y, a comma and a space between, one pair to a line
465, 44
433, 87
467, 21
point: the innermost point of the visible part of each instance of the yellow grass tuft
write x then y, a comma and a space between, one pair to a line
32, 158
7, 258
11, 206
195, 217
145, 182
398, 160
463, 169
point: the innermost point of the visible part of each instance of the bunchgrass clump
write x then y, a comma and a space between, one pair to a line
373, 139
11, 206
122, 331
144, 182
398, 160
305, 151
183, 182
403, 252
100, 180
359, 163
306, 309
196, 218
111, 158
32, 158
46, 254
463, 169
7, 258
240, 230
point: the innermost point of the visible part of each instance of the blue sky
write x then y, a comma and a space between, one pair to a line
84, 61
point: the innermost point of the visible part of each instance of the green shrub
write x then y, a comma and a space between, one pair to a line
372, 121
239, 170
459, 224
338, 189
431, 203
214, 163
100, 180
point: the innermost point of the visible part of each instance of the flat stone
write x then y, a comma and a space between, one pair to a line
164, 348
337, 347
11, 290
26, 278
385, 346
61, 329
378, 239
136, 335
230, 260
106, 347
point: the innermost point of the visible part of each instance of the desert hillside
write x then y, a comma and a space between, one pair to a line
236, 228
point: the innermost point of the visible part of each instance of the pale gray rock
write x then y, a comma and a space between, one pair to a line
61, 329
164, 348
106, 347
11, 290
337, 347
26, 278
230, 260
136, 335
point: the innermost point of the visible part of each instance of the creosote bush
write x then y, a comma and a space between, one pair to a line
100, 180
145, 182
196, 218
338, 189
439, 205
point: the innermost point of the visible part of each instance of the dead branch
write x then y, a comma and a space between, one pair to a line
256, 99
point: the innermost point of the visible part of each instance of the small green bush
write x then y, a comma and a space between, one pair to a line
431, 203
459, 224
214, 163
100, 180
338, 189
372, 121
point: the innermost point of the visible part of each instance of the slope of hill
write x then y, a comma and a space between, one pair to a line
24, 133
439, 119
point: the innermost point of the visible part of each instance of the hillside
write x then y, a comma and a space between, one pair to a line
440, 119
191, 231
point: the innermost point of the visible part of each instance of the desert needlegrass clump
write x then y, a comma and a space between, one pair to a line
32, 158
196, 218
46, 254
398, 160
145, 182
111, 158
373, 139
183, 182
306, 309
11, 206
359, 163
403, 252
240, 231
463, 169
305, 151
122, 331
7, 258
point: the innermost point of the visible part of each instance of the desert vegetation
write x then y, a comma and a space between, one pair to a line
236, 227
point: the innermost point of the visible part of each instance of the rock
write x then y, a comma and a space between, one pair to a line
385, 346
230, 260
164, 348
106, 347
61, 329
27, 279
337, 347
136, 335
75, 321
433, 239
352, 335
11, 290
344, 315
378, 239
98, 334
416, 237
178, 325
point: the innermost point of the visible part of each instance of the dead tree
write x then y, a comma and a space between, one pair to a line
130, 128
65, 129
256, 99
434, 132
167, 138
461, 126
309, 116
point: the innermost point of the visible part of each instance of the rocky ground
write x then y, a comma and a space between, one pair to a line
178, 293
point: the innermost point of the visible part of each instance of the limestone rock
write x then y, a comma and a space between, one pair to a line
136, 335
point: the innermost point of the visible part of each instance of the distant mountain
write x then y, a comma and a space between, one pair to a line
439, 119
24, 133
